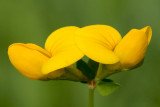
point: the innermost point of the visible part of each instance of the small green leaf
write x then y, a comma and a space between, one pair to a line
88, 69
93, 65
85, 69
107, 86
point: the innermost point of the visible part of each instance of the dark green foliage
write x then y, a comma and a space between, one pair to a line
88, 69
85, 69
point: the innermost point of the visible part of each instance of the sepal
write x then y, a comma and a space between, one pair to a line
69, 73
105, 71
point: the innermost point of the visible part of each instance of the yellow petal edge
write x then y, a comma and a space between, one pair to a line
148, 32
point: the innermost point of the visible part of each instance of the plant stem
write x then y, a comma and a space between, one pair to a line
92, 86
91, 97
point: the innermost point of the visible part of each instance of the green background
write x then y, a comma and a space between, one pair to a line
31, 21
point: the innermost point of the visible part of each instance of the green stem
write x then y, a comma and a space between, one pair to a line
91, 97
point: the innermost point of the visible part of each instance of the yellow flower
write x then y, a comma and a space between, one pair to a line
105, 45
55, 61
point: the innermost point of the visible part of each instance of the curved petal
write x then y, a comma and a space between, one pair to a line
97, 42
28, 59
62, 46
148, 31
132, 48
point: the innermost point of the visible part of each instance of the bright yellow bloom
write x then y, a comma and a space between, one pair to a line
105, 45
55, 61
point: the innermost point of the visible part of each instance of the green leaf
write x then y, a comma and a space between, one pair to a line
107, 86
85, 69
93, 65
88, 69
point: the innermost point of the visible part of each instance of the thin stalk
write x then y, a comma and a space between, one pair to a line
91, 97
92, 85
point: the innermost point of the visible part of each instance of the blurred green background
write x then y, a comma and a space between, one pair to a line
31, 21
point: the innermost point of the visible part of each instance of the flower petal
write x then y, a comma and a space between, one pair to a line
148, 31
97, 42
28, 59
64, 51
132, 48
